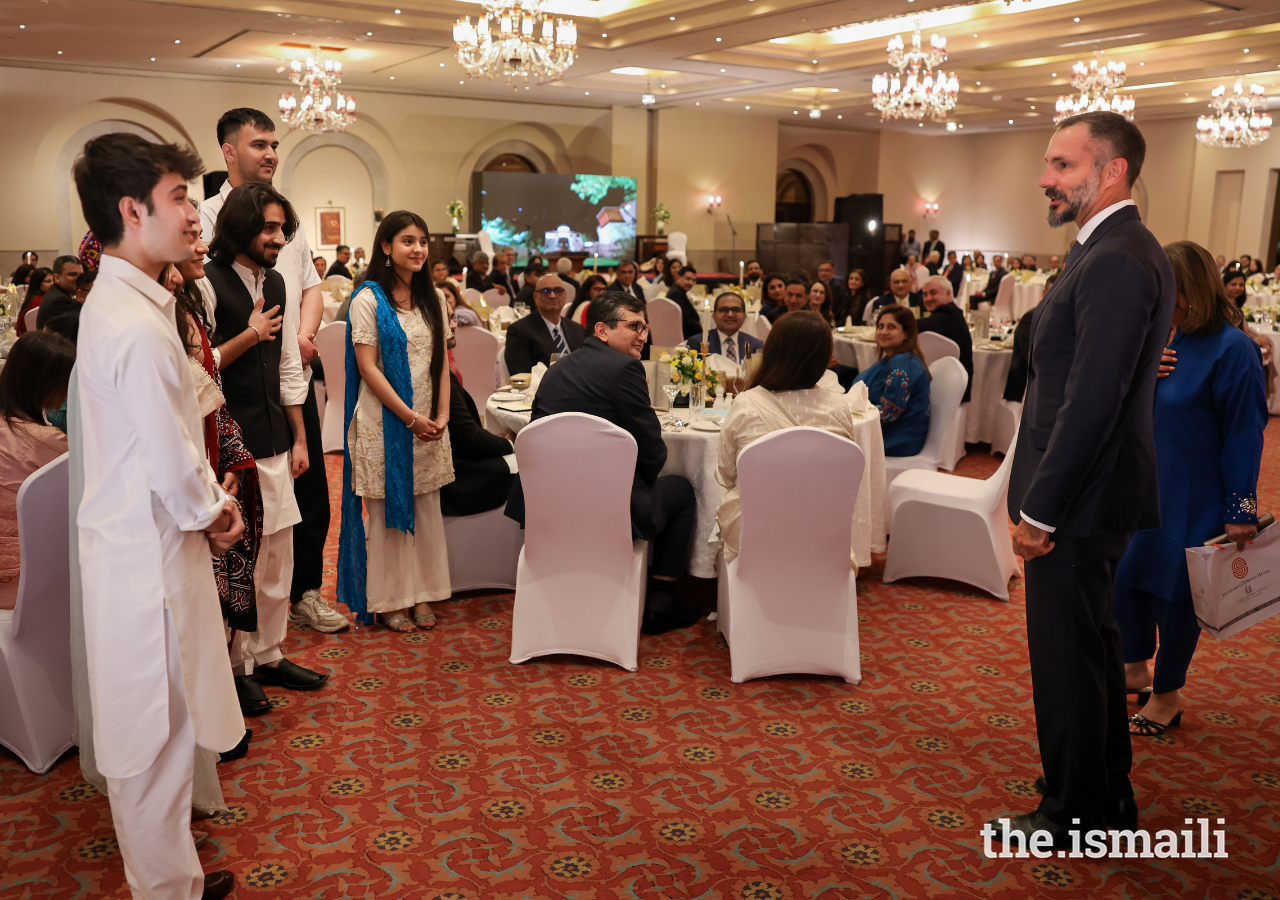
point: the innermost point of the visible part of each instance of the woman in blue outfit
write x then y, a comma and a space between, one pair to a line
898, 383
1210, 414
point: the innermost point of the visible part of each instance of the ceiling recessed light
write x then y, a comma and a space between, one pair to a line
697, 104
839, 117
526, 87
673, 18
393, 78
975, 35
814, 61
795, 112
22, 26
153, 59
921, 124
748, 107
604, 34
442, 65
1077, 18
397, 12
1033, 106
1011, 121
587, 93
238, 66
368, 34
718, 40
722, 70
59, 52
1246, 49
1142, 64
461, 82
179, 42
662, 85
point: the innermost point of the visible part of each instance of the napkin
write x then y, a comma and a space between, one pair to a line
722, 363
829, 382
857, 399
539, 370
506, 315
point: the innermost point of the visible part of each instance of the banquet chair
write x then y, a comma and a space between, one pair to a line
653, 289
495, 297
471, 295
570, 292
1005, 430
1004, 299
566, 310
665, 323
763, 327
476, 353
580, 313
30, 318
935, 346
677, 246
788, 602
331, 342
949, 526
946, 389
483, 549
486, 242
36, 716
580, 582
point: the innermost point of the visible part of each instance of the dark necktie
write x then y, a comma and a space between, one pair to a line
558, 339
731, 348
1075, 245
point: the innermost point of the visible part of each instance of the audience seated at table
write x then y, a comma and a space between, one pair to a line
564, 268
461, 311
500, 274
898, 382
605, 378
481, 477
341, 263
820, 301
534, 338
998, 272
839, 295
478, 274
38, 282
859, 295
899, 292
948, 320
727, 338
33, 380
678, 294
592, 286
1232, 280
954, 272
625, 280
783, 394
773, 296
60, 299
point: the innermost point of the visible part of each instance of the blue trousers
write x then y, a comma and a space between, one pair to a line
1141, 615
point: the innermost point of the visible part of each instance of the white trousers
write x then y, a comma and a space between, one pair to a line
151, 811
272, 578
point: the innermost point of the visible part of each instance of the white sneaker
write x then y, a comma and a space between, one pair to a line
313, 612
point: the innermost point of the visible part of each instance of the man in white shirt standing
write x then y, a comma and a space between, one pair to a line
265, 389
248, 140
151, 512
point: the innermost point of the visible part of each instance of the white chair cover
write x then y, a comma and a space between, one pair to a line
495, 297
484, 550
935, 346
652, 289
331, 342
763, 327
37, 719
30, 318
566, 310
1005, 431
476, 354
949, 526
677, 246
1004, 299
486, 242
665, 322
581, 580
579, 310
570, 292
946, 389
471, 295
788, 602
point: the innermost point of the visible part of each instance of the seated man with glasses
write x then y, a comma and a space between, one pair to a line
534, 338
606, 379
728, 339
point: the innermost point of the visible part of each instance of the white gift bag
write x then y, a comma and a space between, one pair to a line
1232, 590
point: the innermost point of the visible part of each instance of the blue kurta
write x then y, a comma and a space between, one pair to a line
1209, 418
899, 386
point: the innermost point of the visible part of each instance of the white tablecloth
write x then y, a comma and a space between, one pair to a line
693, 454
852, 352
1026, 296
990, 372
1275, 355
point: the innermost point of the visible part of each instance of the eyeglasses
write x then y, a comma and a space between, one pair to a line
550, 292
731, 310
637, 325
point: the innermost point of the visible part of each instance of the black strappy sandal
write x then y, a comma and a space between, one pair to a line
1144, 694
1150, 728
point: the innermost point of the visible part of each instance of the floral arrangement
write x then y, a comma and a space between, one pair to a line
686, 368
662, 216
456, 208
1261, 314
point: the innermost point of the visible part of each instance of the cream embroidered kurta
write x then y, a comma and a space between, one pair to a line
758, 412
149, 493
432, 460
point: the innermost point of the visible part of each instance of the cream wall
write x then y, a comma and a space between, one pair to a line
836, 162
1259, 165
333, 176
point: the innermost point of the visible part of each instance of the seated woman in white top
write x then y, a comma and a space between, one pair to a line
784, 392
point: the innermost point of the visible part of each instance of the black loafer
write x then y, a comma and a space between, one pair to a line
669, 620
217, 885
1029, 823
253, 700
238, 750
289, 675
1121, 814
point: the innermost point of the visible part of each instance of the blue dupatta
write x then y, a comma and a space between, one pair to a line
397, 442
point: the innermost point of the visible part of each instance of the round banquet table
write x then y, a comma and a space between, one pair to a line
693, 454
1274, 336
1026, 296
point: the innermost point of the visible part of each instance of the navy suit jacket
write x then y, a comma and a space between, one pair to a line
1085, 462
713, 342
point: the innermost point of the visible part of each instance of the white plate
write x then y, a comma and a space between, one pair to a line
706, 425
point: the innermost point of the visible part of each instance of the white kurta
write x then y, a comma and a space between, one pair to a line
149, 493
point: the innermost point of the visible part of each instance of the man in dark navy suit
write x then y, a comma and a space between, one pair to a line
1084, 471
728, 339
626, 280
534, 338
605, 378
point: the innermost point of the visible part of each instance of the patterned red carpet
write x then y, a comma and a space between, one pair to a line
431, 768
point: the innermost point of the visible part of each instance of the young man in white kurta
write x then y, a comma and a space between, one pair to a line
158, 677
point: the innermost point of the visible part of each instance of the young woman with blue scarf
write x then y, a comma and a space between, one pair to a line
396, 449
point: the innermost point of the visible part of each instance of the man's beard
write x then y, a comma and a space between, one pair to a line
259, 256
1085, 195
253, 176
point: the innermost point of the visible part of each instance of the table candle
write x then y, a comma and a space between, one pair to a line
464, 278
595, 265
742, 273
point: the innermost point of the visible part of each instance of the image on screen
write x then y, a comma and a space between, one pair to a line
549, 215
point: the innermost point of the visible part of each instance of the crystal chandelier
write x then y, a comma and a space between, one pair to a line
1097, 86
323, 107
1241, 120
914, 91
527, 42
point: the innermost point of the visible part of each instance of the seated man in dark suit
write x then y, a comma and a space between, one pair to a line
626, 280
839, 294
679, 295
728, 339
954, 272
60, 300
605, 379
998, 271
1016, 384
899, 292
534, 338
564, 268
501, 274
524, 297
482, 478
478, 275
341, 258
948, 320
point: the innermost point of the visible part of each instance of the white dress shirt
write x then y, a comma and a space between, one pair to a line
726, 340
1086, 231
555, 328
299, 271
149, 493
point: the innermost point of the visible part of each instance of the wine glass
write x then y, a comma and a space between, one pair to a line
671, 389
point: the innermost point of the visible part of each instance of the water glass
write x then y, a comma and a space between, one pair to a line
697, 401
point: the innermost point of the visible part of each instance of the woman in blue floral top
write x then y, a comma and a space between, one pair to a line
898, 383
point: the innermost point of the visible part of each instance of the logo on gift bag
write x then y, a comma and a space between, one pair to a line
1239, 567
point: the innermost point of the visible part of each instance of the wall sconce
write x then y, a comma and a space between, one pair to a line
713, 202
930, 209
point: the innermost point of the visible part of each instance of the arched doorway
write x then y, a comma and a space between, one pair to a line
333, 177
793, 201
510, 162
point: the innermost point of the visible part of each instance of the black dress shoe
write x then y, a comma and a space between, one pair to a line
289, 675
1121, 814
1042, 787
253, 700
669, 620
238, 750
1029, 823
217, 885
